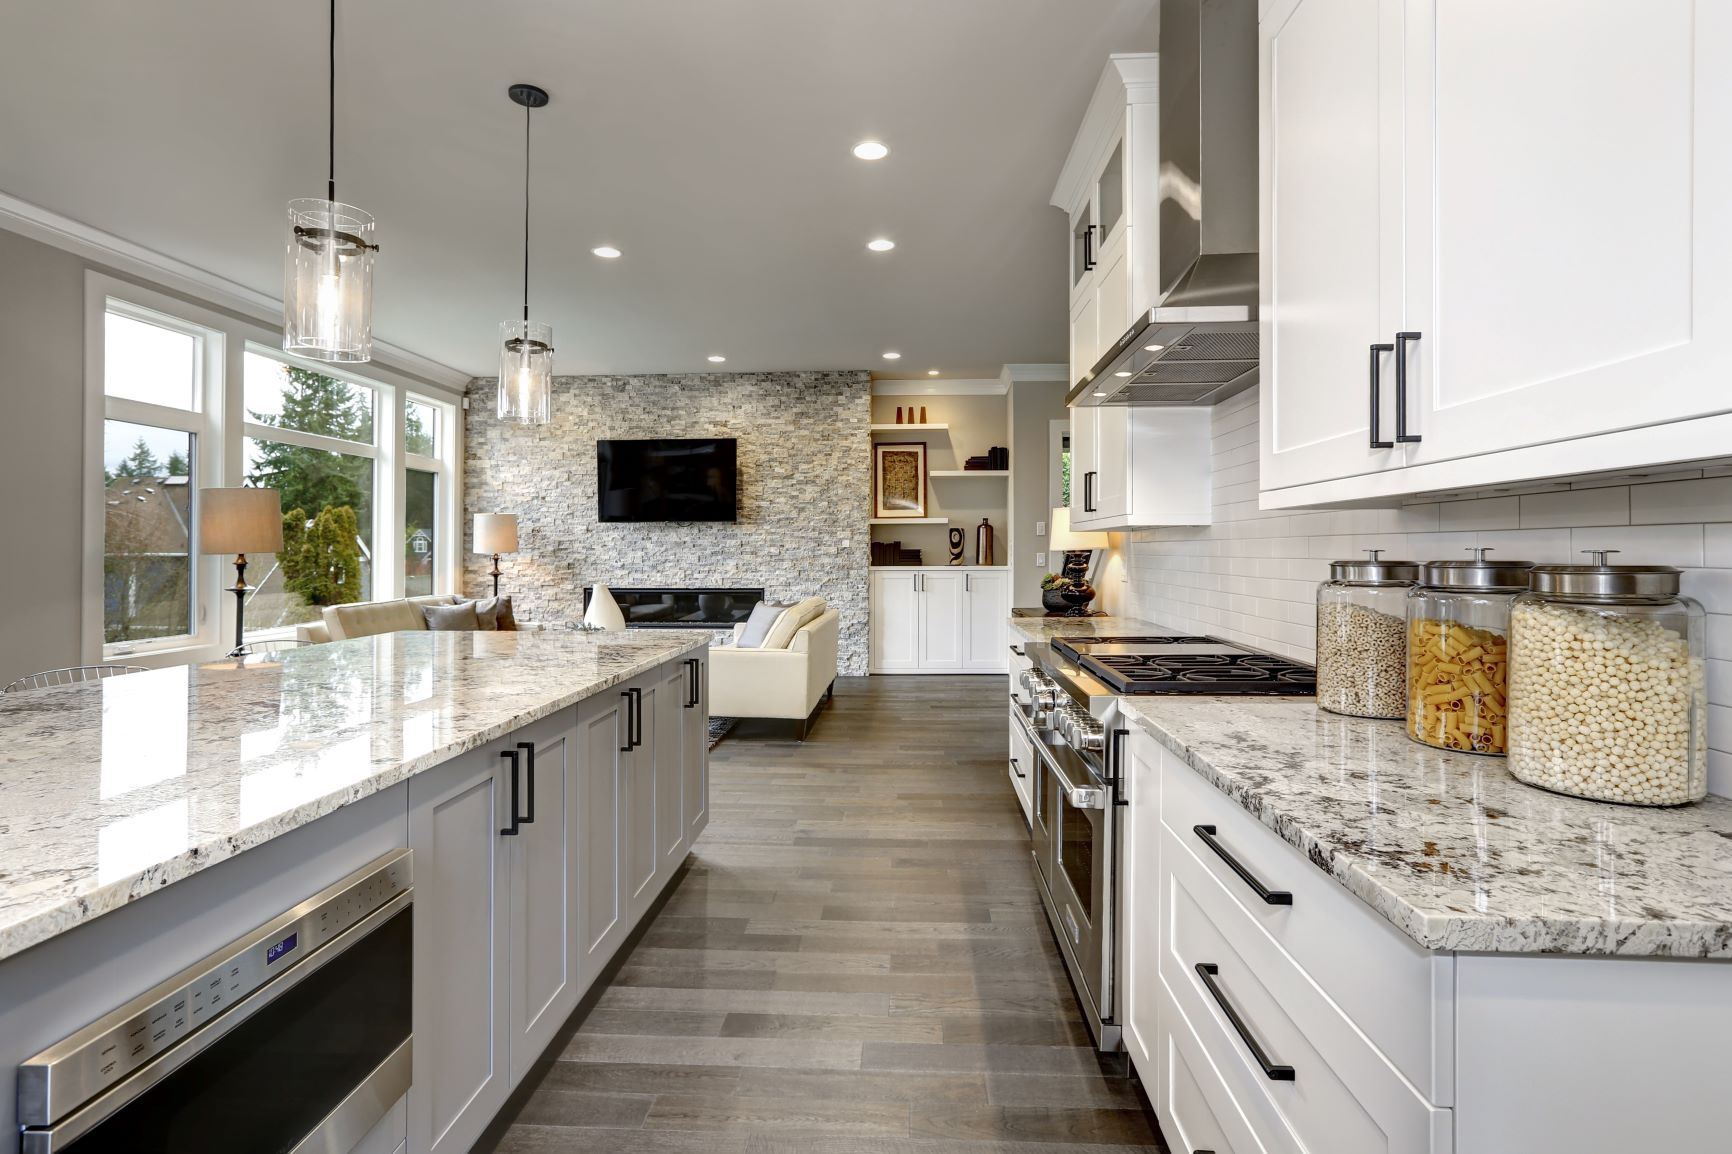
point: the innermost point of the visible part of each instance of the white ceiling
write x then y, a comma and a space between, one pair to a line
708, 139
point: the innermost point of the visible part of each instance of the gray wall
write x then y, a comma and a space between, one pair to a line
1034, 405
803, 491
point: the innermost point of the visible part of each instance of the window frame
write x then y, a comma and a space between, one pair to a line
221, 427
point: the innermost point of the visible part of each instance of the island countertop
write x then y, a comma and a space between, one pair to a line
1452, 849
113, 789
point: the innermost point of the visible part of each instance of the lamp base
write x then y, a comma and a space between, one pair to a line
240, 589
1076, 563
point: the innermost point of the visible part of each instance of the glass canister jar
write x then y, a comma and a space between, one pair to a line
1362, 636
1608, 694
1458, 652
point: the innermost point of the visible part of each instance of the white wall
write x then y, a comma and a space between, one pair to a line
1252, 576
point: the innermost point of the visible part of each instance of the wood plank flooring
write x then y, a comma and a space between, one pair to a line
855, 963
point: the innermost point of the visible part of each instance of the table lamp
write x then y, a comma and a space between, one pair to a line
240, 521
495, 533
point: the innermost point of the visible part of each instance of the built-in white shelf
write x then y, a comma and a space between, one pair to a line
910, 521
968, 473
933, 428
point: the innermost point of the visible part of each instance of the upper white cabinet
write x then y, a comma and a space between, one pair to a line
1509, 221
1133, 467
948, 619
1108, 190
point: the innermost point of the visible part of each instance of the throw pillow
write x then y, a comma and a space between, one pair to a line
764, 616
492, 612
506, 616
782, 633
451, 618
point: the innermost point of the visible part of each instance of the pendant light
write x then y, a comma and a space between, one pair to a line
328, 269
526, 347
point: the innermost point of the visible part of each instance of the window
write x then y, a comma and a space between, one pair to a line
184, 398
153, 385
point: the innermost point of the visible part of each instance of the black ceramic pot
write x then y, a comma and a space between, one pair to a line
1052, 600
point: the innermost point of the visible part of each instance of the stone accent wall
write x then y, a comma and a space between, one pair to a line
804, 491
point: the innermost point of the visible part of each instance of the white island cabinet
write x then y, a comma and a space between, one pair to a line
1455, 238
1273, 1005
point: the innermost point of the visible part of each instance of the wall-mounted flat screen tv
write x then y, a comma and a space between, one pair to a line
692, 479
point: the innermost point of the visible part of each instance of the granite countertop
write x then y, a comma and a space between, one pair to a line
1452, 849
116, 788
1046, 628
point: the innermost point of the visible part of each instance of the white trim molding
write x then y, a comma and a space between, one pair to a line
124, 256
1127, 78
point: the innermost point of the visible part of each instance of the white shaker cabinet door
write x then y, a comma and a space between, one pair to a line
601, 732
462, 1041
1139, 986
986, 599
1569, 172
1331, 234
942, 600
638, 827
672, 698
545, 970
695, 794
895, 622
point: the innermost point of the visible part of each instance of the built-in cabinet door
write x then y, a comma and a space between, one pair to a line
1084, 335
1021, 767
1113, 292
601, 732
1332, 233
546, 972
942, 598
672, 695
1139, 986
895, 614
1084, 463
639, 851
461, 1010
986, 608
1111, 495
1571, 248
695, 793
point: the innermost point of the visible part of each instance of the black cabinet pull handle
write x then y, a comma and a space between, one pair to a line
511, 830
1377, 352
627, 747
1089, 492
1015, 768
694, 667
528, 748
636, 716
1017, 649
1401, 434
1088, 247
1275, 1073
1269, 896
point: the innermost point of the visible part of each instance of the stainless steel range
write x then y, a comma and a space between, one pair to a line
1068, 708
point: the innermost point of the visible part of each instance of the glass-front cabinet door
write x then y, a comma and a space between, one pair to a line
1110, 197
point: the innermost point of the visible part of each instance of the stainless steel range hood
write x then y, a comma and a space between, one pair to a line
1198, 345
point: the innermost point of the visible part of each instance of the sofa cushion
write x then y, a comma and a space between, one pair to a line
758, 625
452, 618
366, 618
789, 623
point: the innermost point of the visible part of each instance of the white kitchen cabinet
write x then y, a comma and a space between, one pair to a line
601, 734
1021, 767
695, 738
1135, 467
673, 697
1139, 992
461, 1016
645, 702
948, 619
1448, 171
1084, 332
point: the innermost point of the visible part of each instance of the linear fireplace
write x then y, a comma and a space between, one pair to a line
701, 608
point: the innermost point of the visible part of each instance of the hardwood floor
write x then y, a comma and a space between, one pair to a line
855, 963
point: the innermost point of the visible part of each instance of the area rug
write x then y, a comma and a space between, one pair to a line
719, 727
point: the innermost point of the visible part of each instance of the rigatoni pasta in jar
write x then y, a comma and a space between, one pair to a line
1458, 653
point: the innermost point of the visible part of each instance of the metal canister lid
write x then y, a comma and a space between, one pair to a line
1603, 580
1477, 573
1375, 571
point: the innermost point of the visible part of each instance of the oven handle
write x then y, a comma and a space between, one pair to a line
51, 1138
1079, 796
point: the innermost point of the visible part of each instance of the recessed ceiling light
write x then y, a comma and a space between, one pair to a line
1122, 373
892, 356
606, 252
881, 244
871, 150
932, 372
716, 358
1153, 348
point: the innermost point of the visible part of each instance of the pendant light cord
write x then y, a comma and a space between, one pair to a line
331, 179
526, 112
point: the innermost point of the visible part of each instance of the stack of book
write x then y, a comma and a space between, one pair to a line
996, 459
892, 553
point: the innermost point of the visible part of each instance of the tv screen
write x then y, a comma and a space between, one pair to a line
665, 480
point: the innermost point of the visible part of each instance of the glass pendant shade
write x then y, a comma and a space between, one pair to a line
328, 281
526, 372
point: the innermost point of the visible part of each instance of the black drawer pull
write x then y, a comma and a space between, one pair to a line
1377, 352
1014, 768
516, 768
528, 749
1275, 1073
1402, 436
1269, 896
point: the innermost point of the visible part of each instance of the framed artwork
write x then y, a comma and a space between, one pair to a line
899, 480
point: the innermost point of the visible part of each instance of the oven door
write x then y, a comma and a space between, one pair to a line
1078, 879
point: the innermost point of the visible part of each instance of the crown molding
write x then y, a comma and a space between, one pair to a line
106, 249
936, 386
1127, 78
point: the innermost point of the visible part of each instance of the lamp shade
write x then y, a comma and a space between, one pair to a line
496, 532
240, 521
1065, 539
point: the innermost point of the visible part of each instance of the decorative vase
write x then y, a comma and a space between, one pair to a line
983, 542
955, 545
1052, 600
603, 611
922, 414
1077, 597
898, 414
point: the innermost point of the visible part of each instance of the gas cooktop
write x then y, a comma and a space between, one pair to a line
1180, 664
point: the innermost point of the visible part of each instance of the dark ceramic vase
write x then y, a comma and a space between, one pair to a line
1077, 597
1052, 600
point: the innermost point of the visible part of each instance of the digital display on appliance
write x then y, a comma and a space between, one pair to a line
281, 948
665, 479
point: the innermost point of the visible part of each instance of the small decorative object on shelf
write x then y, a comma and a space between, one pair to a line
994, 460
983, 542
922, 414
892, 553
898, 414
956, 545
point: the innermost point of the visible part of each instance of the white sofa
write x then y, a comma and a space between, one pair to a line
784, 683
366, 618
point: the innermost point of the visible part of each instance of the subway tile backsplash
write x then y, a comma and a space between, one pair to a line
1252, 575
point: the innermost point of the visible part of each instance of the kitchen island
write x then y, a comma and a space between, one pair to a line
548, 785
